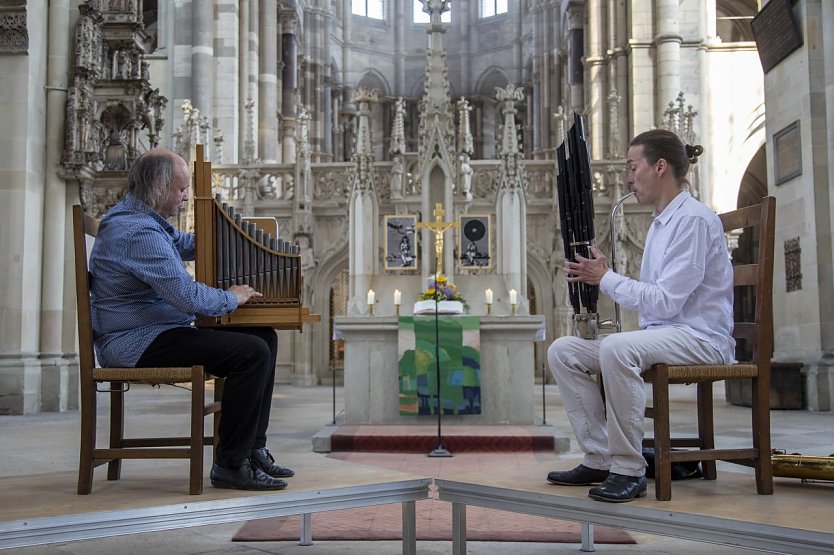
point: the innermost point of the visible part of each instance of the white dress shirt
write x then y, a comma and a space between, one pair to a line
686, 279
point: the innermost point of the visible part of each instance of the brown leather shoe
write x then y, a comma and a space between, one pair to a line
579, 476
263, 459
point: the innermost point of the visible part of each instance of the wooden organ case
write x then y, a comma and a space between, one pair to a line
233, 250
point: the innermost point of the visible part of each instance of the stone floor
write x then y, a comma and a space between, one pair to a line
38, 446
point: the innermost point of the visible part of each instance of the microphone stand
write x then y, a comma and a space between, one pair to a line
544, 399
439, 448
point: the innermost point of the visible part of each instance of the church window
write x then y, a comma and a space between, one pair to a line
422, 17
373, 9
732, 19
490, 8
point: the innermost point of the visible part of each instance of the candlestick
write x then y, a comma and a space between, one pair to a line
371, 301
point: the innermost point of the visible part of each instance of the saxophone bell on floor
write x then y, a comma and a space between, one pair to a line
806, 467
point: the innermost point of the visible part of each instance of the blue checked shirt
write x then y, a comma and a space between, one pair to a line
139, 286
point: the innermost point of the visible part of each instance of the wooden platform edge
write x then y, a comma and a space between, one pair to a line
40, 531
659, 521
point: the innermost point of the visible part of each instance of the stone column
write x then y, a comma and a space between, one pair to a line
289, 58
465, 34
555, 64
325, 119
707, 165
668, 44
243, 79
400, 20
618, 76
202, 58
576, 51
595, 66
268, 150
22, 202
535, 109
59, 373
641, 67
229, 78
289, 84
253, 77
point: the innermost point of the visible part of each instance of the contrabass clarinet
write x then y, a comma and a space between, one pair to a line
576, 214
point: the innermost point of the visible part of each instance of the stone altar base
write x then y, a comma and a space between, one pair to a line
507, 371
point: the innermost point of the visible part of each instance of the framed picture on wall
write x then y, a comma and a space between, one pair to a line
400, 242
787, 149
475, 242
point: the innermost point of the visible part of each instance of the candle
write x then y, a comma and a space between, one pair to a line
398, 297
488, 296
513, 296
371, 296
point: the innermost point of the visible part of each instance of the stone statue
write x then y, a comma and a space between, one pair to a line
397, 177
466, 177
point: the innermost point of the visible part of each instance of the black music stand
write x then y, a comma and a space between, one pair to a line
440, 449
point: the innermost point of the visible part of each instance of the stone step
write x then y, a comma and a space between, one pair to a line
456, 438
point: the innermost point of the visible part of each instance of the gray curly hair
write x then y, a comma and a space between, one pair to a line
150, 178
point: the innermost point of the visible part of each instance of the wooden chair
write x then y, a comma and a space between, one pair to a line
758, 335
190, 447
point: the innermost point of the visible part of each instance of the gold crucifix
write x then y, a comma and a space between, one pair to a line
438, 227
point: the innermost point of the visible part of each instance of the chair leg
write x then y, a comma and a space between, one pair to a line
219, 384
662, 440
198, 401
117, 427
88, 440
760, 413
706, 427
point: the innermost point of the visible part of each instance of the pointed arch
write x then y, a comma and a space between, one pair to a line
491, 77
372, 78
326, 276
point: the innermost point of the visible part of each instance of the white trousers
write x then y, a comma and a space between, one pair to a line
615, 443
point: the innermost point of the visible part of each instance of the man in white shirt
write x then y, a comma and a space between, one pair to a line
685, 303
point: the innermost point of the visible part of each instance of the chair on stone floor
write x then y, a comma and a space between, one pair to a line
755, 337
188, 447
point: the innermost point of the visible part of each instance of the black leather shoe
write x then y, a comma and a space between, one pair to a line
263, 459
245, 477
618, 488
579, 476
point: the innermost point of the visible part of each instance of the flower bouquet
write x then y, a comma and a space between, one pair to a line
440, 296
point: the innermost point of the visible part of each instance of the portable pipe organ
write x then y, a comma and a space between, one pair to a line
234, 250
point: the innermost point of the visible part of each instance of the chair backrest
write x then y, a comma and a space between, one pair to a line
759, 333
83, 226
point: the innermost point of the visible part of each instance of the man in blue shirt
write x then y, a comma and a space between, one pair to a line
684, 298
144, 303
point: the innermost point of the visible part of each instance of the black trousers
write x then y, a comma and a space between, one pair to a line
246, 358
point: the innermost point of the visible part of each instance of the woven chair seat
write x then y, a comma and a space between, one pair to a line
151, 376
707, 373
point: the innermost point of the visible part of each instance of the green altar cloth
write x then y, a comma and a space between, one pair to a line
460, 364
